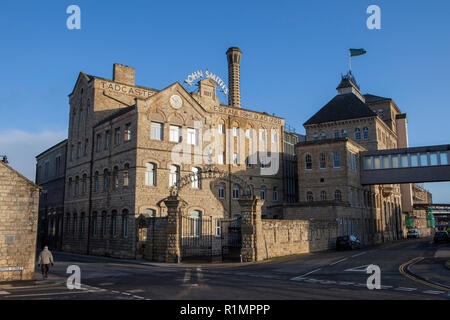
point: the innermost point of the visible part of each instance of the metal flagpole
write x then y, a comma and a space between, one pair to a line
350, 61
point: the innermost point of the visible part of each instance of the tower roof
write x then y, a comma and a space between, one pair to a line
342, 107
348, 81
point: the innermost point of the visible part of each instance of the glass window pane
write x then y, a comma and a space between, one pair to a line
444, 159
433, 159
423, 160
395, 163
368, 163
414, 160
405, 161
377, 163
386, 164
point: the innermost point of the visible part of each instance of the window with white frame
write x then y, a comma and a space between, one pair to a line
127, 132
218, 228
174, 175
274, 136
222, 191
322, 161
366, 133
336, 160
308, 162
221, 128
221, 158
175, 134
156, 131
192, 136
196, 223
117, 136
357, 134
235, 131
150, 174
196, 178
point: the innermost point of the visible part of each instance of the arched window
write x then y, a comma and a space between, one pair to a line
114, 223
249, 190
336, 134
222, 191
126, 175
322, 161
323, 195
174, 175
150, 174
309, 196
357, 134
366, 133
236, 193
338, 195
105, 180
344, 133
262, 193
196, 223
323, 136
115, 177
275, 193
84, 184
196, 178
125, 223
308, 162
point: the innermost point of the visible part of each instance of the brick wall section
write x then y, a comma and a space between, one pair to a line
19, 200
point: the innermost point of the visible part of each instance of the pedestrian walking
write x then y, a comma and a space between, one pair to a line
44, 261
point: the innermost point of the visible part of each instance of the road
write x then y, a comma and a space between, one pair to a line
324, 275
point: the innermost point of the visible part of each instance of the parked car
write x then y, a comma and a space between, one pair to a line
441, 236
348, 242
412, 233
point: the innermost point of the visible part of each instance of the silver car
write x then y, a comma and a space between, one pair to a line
412, 233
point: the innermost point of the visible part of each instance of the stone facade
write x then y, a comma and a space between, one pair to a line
329, 161
19, 201
120, 161
50, 176
421, 219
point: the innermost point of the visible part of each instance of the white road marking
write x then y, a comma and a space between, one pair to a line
44, 294
359, 254
433, 292
302, 276
4, 292
136, 291
358, 269
405, 289
346, 283
342, 260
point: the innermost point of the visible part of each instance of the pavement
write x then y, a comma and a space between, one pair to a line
408, 272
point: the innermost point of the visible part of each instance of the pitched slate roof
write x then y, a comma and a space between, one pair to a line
370, 98
342, 107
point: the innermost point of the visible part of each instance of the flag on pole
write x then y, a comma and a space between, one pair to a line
357, 52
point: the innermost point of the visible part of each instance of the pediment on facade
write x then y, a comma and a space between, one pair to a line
188, 109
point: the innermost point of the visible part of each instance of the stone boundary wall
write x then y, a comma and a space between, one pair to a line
287, 237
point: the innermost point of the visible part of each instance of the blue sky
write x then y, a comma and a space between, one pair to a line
293, 55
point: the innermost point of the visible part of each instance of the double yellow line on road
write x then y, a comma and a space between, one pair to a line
412, 277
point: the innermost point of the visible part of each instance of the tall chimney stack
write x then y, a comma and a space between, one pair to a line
234, 77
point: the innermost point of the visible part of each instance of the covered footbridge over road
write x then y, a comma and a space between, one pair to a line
406, 165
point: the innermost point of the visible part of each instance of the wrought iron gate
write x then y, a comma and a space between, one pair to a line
209, 238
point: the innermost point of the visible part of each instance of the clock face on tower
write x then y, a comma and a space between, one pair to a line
176, 101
